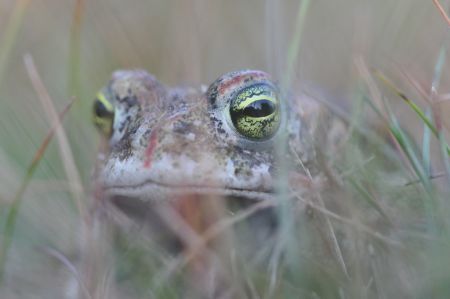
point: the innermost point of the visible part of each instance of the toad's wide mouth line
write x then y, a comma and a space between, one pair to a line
155, 191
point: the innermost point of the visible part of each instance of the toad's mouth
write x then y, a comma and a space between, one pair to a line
153, 192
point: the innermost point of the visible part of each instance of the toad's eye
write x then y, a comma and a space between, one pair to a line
255, 113
103, 114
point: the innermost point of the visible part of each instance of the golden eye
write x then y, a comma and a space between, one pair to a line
255, 112
103, 114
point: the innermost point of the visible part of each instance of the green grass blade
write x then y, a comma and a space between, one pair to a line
422, 115
426, 143
75, 49
294, 46
16, 201
407, 147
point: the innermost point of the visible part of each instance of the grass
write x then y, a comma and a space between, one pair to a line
373, 226
11, 217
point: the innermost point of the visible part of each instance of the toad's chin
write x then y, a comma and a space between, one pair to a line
158, 208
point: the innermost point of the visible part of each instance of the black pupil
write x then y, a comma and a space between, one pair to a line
259, 108
100, 109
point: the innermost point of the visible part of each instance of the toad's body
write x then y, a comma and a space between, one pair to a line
181, 159
169, 142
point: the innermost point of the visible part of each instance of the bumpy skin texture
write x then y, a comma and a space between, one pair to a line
174, 141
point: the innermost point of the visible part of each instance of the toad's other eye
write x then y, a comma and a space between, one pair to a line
103, 114
255, 113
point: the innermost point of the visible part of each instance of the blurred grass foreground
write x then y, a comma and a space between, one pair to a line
384, 228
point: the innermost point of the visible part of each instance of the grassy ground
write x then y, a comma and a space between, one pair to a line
396, 234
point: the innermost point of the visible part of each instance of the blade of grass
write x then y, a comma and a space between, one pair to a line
438, 69
444, 151
334, 240
74, 49
442, 11
422, 115
273, 27
437, 113
431, 177
426, 144
11, 32
429, 200
76, 188
16, 201
59, 256
406, 147
286, 243
76, 191
294, 46
376, 102
410, 103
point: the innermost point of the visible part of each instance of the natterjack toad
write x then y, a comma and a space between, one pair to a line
165, 142
183, 147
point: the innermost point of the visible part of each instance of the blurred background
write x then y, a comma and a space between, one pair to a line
75, 45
